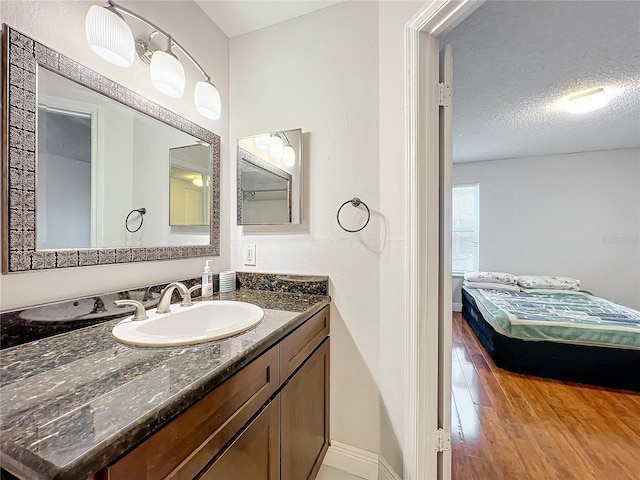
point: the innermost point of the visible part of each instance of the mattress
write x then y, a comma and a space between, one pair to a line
567, 317
569, 360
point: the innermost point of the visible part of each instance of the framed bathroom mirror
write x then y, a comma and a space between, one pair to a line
81, 153
269, 178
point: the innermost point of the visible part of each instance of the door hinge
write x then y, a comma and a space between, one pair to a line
444, 94
443, 440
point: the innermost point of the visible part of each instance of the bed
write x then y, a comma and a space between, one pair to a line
567, 335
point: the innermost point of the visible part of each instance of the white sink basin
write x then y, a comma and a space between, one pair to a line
202, 322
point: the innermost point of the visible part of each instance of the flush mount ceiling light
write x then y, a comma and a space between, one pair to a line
587, 101
110, 37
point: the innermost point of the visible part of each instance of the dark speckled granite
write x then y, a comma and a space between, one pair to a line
72, 403
34, 323
281, 282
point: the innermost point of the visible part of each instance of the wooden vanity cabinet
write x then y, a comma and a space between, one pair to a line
269, 421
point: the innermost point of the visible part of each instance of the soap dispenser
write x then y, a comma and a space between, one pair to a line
207, 281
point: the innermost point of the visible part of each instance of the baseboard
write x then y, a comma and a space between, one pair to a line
353, 460
386, 471
457, 306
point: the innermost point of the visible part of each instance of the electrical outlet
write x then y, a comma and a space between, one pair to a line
250, 254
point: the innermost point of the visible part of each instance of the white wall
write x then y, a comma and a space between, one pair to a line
320, 73
574, 215
393, 16
60, 25
344, 86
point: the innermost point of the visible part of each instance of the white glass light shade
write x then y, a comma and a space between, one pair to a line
167, 74
289, 156
276, 147
262, 141
207, 99
588, 101
109, 36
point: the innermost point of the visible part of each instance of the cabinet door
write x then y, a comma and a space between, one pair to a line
255, 453
305, 417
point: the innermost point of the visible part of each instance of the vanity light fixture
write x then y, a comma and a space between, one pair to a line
110, 37
167, 73
587, 101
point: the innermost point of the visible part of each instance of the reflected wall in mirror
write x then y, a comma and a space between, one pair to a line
269, 173
96, 151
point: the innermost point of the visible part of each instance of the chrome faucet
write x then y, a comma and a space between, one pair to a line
164, 304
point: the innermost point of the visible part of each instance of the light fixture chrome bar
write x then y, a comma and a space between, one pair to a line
173, 41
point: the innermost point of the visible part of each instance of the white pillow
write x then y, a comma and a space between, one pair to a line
491, 277
491, 286
545, 281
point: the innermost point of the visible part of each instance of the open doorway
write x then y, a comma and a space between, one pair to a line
540, 191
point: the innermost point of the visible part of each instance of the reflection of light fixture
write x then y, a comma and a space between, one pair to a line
286, 152
110, 37
587, 101
198, 181
262, 141
289, 156
276, 146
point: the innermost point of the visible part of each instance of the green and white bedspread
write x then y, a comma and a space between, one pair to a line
572, 317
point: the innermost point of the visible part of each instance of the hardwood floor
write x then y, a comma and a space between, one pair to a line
515, 427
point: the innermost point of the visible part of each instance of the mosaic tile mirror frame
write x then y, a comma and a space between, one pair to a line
21, 57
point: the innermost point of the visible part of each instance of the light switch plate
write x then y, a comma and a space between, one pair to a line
250, 254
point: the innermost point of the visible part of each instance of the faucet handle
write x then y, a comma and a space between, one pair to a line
140, 312
194, 288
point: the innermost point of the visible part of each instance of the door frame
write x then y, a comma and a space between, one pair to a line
422, 192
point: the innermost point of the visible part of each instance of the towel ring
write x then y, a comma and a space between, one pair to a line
141, 211
356, 202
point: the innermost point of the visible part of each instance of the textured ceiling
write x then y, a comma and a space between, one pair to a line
514, 60
236, 17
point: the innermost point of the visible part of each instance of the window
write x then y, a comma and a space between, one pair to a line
464, 236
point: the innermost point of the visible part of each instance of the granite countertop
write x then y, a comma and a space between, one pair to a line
72, 403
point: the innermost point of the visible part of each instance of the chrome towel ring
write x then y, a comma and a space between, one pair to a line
141, 211
356, 202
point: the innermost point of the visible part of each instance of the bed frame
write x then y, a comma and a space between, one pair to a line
605, 366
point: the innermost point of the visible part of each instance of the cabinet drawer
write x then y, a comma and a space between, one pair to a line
255, 453
185, 446
298, 345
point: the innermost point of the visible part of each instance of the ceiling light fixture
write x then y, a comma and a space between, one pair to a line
587, 101
110, 37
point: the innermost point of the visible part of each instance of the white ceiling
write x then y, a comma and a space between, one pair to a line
236, 17
513, 60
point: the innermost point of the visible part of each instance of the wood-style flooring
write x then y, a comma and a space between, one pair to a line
516, 427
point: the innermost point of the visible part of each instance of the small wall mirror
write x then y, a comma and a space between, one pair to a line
269, 169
